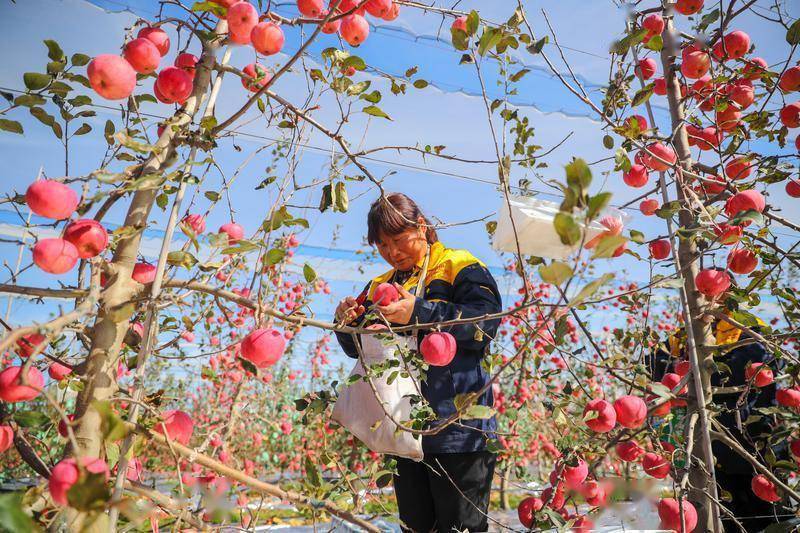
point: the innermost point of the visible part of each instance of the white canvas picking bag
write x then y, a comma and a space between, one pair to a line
537, 236
357, 407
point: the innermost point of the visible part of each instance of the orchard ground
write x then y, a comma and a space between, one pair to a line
186, 205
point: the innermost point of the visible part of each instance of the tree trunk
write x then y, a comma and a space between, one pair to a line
703, 489
112, 321
504, 474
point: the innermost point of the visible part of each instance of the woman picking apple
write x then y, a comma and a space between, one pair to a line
450, 487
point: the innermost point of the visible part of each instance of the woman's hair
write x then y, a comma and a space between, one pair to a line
393, 214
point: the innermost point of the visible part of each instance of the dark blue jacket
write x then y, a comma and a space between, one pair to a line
457, 284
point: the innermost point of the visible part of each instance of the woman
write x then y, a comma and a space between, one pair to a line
450, 487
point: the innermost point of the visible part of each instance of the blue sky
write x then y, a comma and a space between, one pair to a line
448, 112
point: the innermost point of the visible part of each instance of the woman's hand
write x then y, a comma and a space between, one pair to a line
348, 310
400, 311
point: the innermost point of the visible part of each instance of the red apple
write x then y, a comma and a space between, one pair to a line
257, 76
88, 236
733, 46
662, 159
765, 489
55, 256
144, 273
738, 169
51, 199
742, 261
755, 68
688, 7
745, 201
263, 347
175, 84
660, 249
313, 8
196, 222
57, 371
187, 62
646, 67
179, 426
712, 283
669, 511
378, 8
790, 115
648, 207
695, 63
762, 373
242, 18
790, 79
605, 419
527, 509
438, 348
629, 450
6, 438
66, 473
234, 231
354, 29
158, 37
267, 38
793, 186
788, 397
385, 294
28, 343
574, 475
111, 77
143, 55
636, 177
660, 86
653, 23
631, 411
655, 465
11, 388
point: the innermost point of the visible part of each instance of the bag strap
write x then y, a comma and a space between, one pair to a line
423, 274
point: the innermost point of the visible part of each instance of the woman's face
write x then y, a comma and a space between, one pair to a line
403, 250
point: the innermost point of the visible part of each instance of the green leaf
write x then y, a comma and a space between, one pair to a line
656, 43
597, 203
341, 201
751, 215
212, 195
108, 132
80, 100
275, 256
579, 174
312, 472
29, 100
80, 60
536, 47
568, 230
637, 236
478, 411
490, 37
355, 62
473, 21
83, 130
608, 245
89, 493
373, 98
30, 419
420, 84
643, 95
327, 198
668, 210
54, 51
376, 111
793, 35
11, 125
591, 288
181, 258
358, 88
459, 38
43, 116
12, 517
35, 81
555, 273
243, 246
608, 142
308, 273
519, 75
112, 426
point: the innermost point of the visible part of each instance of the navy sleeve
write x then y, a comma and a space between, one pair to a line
346, 339
475, 294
